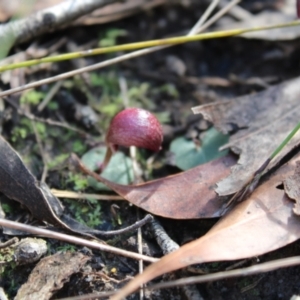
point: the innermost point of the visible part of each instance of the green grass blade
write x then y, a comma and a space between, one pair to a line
146, 44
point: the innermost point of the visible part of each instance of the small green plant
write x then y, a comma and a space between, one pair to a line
19, 133
32, 97
57, 161
80, 182
88, 213
66, 247
24, 129
169, 89
94, 217
110, 37
52, 105
7, 208
78, 147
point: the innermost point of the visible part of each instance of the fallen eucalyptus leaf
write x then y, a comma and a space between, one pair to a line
17, 183
187, 195
260, 122
262, 223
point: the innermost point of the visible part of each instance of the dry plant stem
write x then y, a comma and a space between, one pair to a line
140, 45
250, 286
73, 240
50, 18
132, 149
93, 67
74, 195
124, 91
204, 17
261, 268
108, 154
95, 296
42, 152
168, 245
50, 95
140, 251
219, 14
132, 227
162, 238
237, 12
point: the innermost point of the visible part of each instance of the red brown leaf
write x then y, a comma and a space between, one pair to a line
187, 195
262, 223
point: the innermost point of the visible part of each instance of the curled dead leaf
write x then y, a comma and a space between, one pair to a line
187, 195
258, 124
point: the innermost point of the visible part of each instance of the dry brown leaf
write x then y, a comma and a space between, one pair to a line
292, 188
50, 274
262, 223
262, 121
287, 13
187, 195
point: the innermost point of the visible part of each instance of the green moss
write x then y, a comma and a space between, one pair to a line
88, 212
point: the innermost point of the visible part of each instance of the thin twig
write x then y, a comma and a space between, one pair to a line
261, 268
42, 152
90, 296
132, 227
98, 65
168, 245
219, 14
204, 17
238, 12
50, 95
140, 251
74, 195
73, 240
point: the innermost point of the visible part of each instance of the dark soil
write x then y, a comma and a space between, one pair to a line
220, 58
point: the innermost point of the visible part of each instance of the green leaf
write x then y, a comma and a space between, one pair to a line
8, 37
32, 97
110, 38
118, 170
189, 155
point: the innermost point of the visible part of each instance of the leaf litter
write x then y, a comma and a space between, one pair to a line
259, 123
187, 195
233, 213
50, 274
17, 183
265, 221
262, 223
